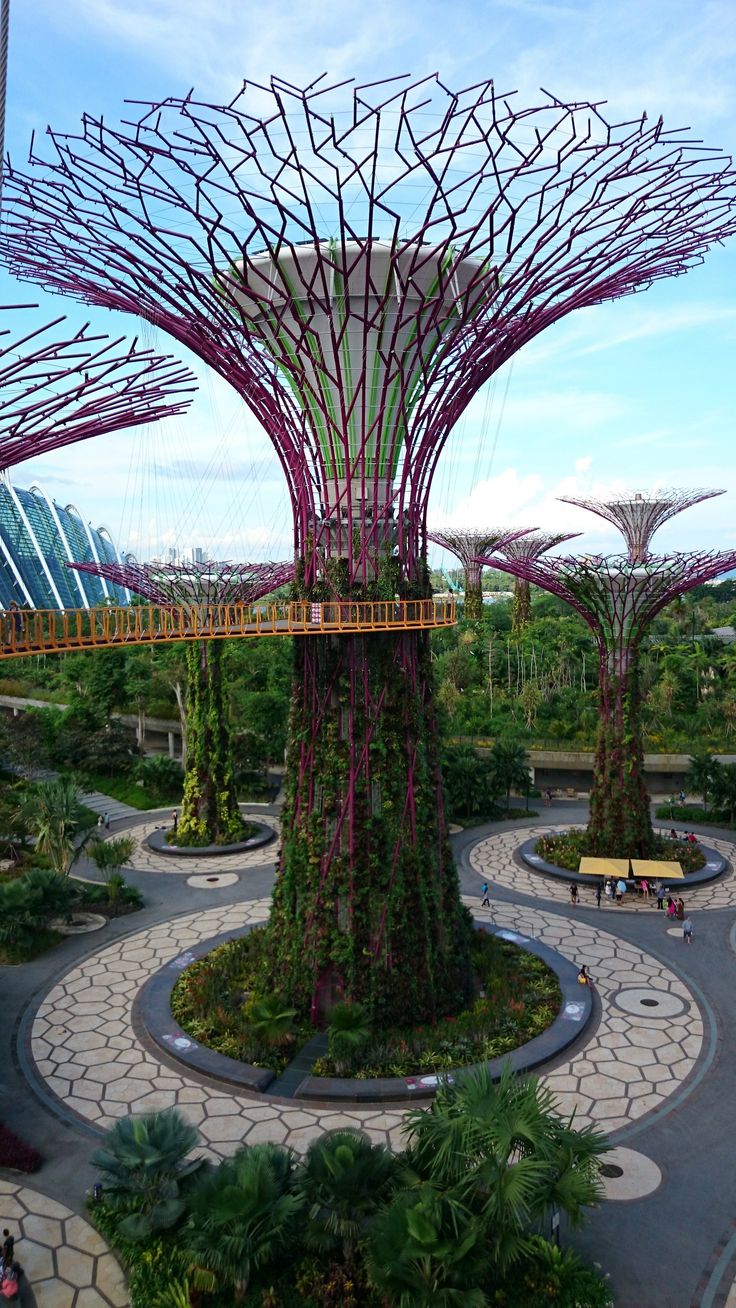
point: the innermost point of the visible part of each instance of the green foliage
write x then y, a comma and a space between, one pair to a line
162, 778
345, 1180
109, 856
348, 1031
53, 812
502, 1150
244, 1216
209, 809
272, 1020
468, 783
145, 1172
426, 1250
553, 1276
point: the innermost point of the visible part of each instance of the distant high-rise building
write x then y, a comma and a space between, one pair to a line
38, 537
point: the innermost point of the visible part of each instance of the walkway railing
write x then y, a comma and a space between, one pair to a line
51, 631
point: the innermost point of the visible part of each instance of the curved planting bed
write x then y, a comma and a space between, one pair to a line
528, 1007
255, 834
699, 862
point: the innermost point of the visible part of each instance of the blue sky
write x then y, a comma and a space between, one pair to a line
632, 393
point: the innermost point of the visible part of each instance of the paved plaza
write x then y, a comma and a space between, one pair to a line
645, 1070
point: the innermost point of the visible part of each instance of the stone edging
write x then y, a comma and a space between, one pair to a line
153, 1008
715, 865
158, 844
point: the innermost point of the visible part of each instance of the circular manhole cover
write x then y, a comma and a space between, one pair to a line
611, 1170
650, 1003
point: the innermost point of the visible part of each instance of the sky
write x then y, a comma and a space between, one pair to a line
632, 394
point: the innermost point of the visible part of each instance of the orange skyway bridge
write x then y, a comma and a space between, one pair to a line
54, 631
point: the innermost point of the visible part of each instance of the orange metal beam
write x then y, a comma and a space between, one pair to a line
51, 631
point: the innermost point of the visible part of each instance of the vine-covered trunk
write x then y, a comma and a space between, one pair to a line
620, 822
366, 904
209, 809
522, 608
473, 607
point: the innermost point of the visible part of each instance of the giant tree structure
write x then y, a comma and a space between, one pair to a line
357, 276
467, 546
66, 385
209, 809
638, 514
618, 597
531, 545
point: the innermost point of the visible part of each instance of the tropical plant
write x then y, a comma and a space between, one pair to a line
53, 812
145, 1171
467, 782
555, 1276
503, 1150
109, 856
162, 777
724, 790
176, 1295
244, 1218
53, 895
426, 1250
20, 917
271, 1020
348, 1031
345, 1180
509, 766
701, 775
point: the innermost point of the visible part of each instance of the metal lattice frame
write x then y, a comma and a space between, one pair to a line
467, 546
618, 598
278, 248
357, 276
638, 514
530, 546
195, 583
58, 387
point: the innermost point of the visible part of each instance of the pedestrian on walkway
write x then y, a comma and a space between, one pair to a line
574, 896
598, 895
106, 820
681, 910
584, 979
175, 818
671, 908
660, 895
486, 900
8, 1247
620, 890
608, 888
100, 822
687, 931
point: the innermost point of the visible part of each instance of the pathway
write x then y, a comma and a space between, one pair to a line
64, 1260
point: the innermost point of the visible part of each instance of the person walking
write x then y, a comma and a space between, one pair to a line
660, 895
608, 888
687, 931
100, 822
620, 890
584, 978
175, 818
598, 895
486, 900
106, 818
8, 1247
574, 896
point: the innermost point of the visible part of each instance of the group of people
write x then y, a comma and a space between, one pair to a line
10, 1270
689, 836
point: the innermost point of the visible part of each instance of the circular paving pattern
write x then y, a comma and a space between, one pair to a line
649, 1003
632, 1175
65, 1262
144, 859
89, 1056
493, 860
218, 881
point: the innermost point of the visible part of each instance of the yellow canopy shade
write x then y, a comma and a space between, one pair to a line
656, 867
604, 867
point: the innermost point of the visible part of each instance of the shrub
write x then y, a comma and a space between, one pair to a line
162, 777
16, 1154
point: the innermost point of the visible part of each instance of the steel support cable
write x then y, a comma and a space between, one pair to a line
4, 38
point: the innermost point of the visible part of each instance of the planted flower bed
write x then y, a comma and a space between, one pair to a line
236, 835
566, 850
215, 1002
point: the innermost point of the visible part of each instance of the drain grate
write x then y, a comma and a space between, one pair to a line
650, 1003
611, 1170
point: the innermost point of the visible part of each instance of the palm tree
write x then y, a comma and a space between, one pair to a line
702, 774
271, 1020
724, 790
426, 1250
109, 856
349, 1028
244, 1218
53, 813
510, 768
503, 1150
345, 1180
144, 1167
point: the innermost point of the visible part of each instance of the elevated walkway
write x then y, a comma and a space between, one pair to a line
52, 631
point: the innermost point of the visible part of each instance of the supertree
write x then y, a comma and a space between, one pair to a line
357, 276
618, 597
638, 514
66, 385
531, 545
467, 546
209, 809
